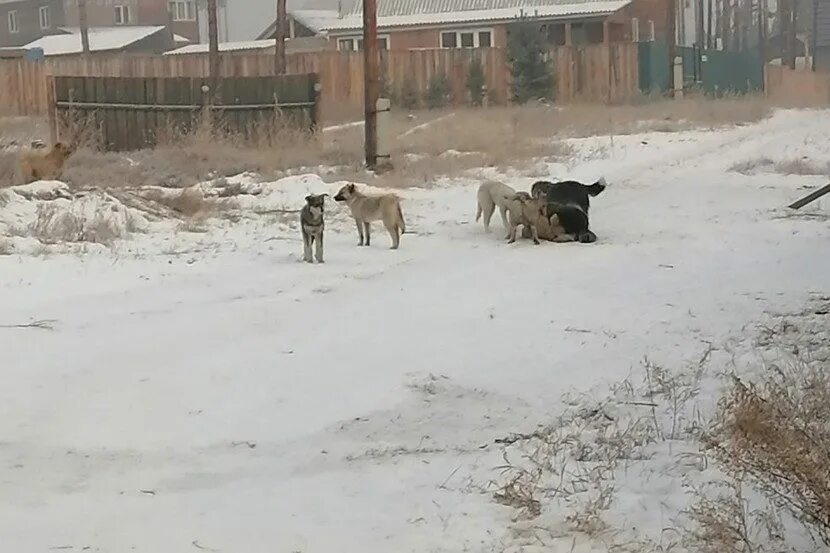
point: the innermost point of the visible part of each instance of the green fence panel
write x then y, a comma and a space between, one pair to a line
653, 62
731, 72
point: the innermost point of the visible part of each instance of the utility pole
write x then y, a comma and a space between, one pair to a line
83, 23
762, 35
279, 54
671, 35
371, 81
213, 43
791, 39
709, 24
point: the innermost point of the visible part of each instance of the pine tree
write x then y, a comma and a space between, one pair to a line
527, 52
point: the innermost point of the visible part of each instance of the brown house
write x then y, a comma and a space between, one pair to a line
22, 21
181, 15
418, 24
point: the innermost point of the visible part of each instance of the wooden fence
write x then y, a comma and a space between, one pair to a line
133, 112
799, 87
598, 73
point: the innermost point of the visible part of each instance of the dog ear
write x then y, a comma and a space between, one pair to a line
351, 187
309, 198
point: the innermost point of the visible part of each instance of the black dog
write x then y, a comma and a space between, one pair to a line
572, 219
570, 202
568, 192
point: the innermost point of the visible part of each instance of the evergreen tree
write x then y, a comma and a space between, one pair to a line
527, 52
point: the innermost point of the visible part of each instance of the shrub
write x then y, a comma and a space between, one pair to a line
529, 68
439, 92
476, 82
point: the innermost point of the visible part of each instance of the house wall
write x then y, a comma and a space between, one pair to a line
28, 21
101, 13
644, 11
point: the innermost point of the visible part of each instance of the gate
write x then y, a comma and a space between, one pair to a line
133, 113
714, 71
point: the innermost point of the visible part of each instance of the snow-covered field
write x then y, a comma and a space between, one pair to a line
209, 391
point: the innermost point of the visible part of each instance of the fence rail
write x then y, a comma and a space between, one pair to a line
599, 73
134, 112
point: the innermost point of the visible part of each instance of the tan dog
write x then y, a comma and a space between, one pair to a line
39, 165
536, 218
365, 209
491, 194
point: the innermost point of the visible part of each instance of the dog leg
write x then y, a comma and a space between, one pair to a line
359, 231
503, 212
488, 214
392, 228
512, 234
307, 247
318, 253
534, 234
366, 227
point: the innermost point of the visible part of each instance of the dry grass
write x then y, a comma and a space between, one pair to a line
801, 166
456, 140
777, 435
794, 166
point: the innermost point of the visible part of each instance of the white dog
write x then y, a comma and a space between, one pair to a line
492, 194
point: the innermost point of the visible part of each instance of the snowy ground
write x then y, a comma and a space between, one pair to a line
210, 391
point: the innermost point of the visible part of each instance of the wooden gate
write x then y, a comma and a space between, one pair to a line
134, 113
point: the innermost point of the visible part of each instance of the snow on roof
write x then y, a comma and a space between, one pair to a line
387, 16
302, 44
315, 20
101, 39
180, 38
223, 47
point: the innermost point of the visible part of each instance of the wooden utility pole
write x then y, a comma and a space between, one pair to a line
709, 24
213, 42
671, 35
762, 34
279, 53
83, 23
700, 29
791, 38
371, 80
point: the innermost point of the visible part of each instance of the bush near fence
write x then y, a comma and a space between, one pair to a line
598, 73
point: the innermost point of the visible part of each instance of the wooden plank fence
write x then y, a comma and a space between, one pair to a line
135, 112
594, 73
799, 87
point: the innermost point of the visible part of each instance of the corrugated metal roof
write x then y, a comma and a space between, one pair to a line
390, 8
100, 39
301, 44
392, 13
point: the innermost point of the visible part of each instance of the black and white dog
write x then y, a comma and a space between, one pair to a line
570, 202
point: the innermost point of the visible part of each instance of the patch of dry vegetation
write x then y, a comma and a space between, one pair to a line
793, 166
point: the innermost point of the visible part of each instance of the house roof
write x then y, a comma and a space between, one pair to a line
394, 13
412, 13
101, 39
294, 45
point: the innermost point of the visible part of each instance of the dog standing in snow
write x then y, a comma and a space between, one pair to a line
38, 165
312, 225
492, 194
365, 209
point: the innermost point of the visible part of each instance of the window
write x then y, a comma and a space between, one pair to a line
183, 10
356, 44
13, 28
44, 16
449, 40
122, 15
472, 38
635, 29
